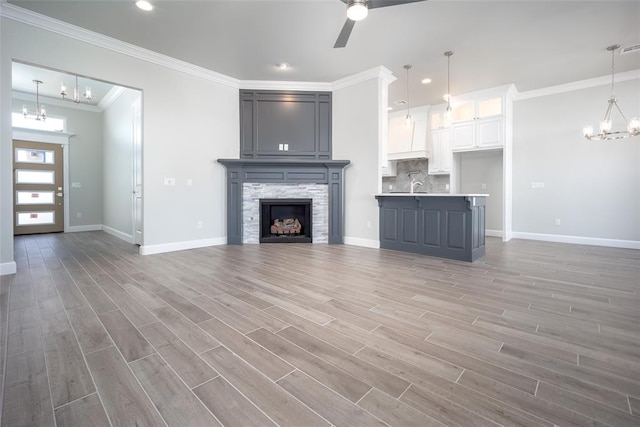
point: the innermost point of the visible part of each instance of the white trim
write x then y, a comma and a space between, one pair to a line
581, 84
181, 246
285, 85
365, 243
7, 268
46, 23
81, 228
117, 233
37, 135
378, 72
493, 233
578, 240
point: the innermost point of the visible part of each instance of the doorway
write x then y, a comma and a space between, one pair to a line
38, 182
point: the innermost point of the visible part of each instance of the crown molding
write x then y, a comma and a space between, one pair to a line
285, 85
28, 17
581, 84
110, 97
379, 72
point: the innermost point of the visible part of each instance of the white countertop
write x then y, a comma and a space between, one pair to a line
430, 195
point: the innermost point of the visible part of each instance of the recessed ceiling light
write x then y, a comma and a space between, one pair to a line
144, 5
283, 66
426, 81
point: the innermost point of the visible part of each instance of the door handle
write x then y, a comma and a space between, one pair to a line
59, 194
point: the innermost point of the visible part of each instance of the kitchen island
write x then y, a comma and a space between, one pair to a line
435, 224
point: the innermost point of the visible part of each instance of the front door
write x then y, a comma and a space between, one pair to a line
38, 198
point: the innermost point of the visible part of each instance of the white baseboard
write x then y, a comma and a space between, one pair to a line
367, 243
7, 268
181, 246
80, 228
493, 233
117, 233
578, 240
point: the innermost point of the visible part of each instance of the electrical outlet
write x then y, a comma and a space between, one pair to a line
390, 186
199, 225
484, 186
446, 187
79, 215
557, 222
189, 182
537, 185
169, 182
368, 224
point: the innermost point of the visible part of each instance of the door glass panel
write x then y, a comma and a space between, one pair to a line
463, 112
34, 177
24, 155
35, 218
34, 197
490, 107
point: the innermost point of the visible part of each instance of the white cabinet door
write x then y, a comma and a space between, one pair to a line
489, 133
440, 159
463, 135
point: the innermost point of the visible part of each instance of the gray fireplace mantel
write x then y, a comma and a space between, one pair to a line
285, 171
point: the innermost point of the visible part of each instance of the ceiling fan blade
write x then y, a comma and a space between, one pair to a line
373, 4
343, 37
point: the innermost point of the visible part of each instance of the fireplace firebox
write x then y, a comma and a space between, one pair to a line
286, 221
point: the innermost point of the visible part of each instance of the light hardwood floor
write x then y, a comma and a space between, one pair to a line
301, 335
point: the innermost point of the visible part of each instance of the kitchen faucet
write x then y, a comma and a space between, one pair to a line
414, 182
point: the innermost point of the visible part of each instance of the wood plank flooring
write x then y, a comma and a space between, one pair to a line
533, 334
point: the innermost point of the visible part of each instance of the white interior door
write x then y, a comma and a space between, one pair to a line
136, 111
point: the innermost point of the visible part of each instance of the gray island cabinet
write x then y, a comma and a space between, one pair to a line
441, 225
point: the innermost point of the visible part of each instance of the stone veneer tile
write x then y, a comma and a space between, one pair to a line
252, 193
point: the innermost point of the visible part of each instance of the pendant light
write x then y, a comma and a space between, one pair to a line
40, 114
606, 125
408, 119
449, 111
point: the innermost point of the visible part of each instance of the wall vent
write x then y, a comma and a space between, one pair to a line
630, 49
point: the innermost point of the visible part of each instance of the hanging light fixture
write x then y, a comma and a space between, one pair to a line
408, 118
449, 111
357, 10
76, 93
40, 114
606, 125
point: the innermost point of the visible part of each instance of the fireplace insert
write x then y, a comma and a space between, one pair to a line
285, 221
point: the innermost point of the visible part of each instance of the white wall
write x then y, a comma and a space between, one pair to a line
356, 113
189, 121
592, 187
117, 162
484, 167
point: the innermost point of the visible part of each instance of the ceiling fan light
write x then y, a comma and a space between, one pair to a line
144, 5
357, 10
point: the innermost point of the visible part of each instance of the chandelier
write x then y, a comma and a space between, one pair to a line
76, 93
40, 114
606, 125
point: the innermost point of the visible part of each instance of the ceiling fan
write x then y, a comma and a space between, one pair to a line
357, 10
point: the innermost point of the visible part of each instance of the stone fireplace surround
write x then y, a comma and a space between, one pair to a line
299, 178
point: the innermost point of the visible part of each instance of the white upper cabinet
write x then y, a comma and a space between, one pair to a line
478, 121
408, 140
440, 160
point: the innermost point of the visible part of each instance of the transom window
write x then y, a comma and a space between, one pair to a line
54, 124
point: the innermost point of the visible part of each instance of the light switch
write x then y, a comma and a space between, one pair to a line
169, 182
537, 185
189, 182
76, 185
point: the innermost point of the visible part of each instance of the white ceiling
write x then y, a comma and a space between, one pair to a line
533, 44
